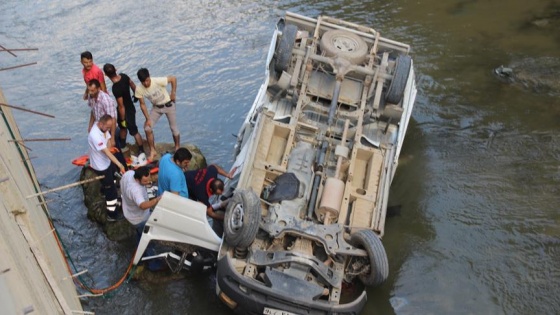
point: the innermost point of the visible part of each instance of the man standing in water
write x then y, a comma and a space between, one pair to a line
100, 158
155, 90
125, 106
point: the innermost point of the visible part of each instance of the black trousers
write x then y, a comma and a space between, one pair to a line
108, 187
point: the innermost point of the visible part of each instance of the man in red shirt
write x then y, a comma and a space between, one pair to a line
91, 71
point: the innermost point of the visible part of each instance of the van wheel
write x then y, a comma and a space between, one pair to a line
344, 44
400, 76
283, 52
378, 262
241, 221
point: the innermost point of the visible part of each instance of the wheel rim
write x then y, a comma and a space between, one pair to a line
236, 219
345, 44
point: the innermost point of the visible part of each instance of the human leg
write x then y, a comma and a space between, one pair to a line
133, 129
109, 191
122, 138
155, 114
171, 114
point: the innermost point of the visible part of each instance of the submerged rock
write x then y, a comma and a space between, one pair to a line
537, 74
95, 201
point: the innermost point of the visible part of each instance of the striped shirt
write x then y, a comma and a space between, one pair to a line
102, 105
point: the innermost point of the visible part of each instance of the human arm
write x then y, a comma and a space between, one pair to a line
113, 134
102, 83
144, 110
91, 121
120, 109
222, 172
110, 109
149, 203
212, 210
132, 86
113, 159
173, 81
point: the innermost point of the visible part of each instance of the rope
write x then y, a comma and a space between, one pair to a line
63, 250
79, 281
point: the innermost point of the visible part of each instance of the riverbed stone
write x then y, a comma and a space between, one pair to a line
95, 201
537, 74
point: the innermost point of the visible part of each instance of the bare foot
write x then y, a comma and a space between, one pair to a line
152, 156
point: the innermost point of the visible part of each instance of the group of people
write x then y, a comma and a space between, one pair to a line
173, 176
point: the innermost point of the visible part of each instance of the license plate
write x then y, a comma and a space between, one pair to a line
271, 311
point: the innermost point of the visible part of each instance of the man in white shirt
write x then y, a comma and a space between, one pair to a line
136, 207
136, 204
100, 158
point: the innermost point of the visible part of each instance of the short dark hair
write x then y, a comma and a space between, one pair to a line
94, 82
110, 70
182, 154
105, 118
140, 172
143, 74
216, 184
86, 55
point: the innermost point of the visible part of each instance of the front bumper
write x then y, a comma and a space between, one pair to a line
255, 296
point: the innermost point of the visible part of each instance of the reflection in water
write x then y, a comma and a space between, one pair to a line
478, 231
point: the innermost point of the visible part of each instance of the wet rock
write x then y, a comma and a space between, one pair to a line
548, 20
198, 160
95, 201
537, 74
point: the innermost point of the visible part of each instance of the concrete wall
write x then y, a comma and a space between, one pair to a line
33, 274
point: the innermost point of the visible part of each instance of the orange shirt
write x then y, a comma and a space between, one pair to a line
93, 73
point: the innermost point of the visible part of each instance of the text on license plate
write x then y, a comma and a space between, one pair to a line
271, 311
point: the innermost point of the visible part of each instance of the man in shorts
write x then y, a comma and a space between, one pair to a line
155, 90
125, 107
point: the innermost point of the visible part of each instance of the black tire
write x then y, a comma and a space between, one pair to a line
344, 44
284, 48
400, 76
379, 264
241, 222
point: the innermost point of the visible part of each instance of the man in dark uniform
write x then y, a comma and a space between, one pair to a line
125, 106
204, 183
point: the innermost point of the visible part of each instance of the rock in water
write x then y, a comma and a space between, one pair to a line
537, 74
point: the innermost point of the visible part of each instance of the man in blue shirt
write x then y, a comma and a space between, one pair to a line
170, 176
